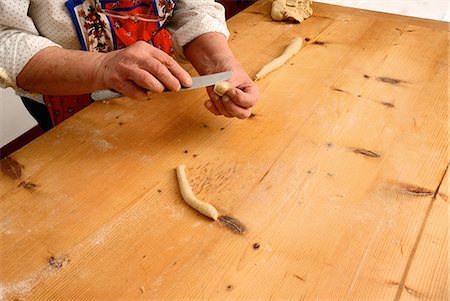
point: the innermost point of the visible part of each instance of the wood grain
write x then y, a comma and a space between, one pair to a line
426, 275
338, 178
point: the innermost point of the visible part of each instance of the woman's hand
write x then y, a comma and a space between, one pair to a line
139, 68
210, 53
239, 99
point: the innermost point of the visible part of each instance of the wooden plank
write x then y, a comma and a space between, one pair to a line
427, 274
333, 177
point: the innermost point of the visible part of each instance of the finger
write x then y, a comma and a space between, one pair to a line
162, 73
244, 97
237, 111
131, 90
145, 80
218, 103
211, 107
182, 75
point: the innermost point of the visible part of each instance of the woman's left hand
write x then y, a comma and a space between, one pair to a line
210, 53
239, 99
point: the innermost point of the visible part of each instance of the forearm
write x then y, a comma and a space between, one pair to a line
132, 71
58, 71
210, 53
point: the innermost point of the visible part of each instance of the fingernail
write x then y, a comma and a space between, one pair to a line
225, 98
188, 81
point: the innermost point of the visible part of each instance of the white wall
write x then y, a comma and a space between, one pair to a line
15, 120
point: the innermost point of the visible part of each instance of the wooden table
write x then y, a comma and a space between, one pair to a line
340, 177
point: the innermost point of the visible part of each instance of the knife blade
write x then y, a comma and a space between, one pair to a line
197, 82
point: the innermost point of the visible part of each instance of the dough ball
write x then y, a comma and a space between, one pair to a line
220, 88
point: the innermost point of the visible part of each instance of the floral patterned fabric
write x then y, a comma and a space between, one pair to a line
95, 31
62, 107
104, 25
133, 29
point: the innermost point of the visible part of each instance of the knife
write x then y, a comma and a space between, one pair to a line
197, 82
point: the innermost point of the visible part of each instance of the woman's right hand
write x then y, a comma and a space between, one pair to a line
139, 68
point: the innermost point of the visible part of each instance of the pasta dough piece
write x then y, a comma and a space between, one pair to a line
290, 51
291, 10
189, 197
220, 88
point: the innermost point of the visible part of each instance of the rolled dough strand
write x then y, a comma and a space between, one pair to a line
294, 46
189, 197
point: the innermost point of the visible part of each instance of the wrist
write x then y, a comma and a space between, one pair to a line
218, 63
99, 63
210, 53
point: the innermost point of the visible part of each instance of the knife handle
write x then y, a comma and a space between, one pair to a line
105, 95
